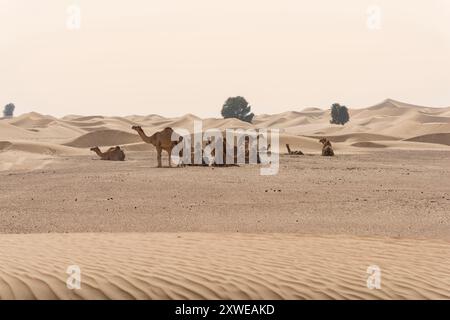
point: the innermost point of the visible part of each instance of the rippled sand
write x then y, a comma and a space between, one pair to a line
221, 266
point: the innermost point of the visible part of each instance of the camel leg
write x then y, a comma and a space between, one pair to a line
159, 157
170, 158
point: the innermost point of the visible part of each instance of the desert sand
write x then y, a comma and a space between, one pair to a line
220, 266
309, 232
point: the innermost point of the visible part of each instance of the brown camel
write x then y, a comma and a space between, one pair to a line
327, 149
290, 152
162, 140
235, 153
112, 154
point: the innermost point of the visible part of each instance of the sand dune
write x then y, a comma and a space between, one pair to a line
389, 120
32, 120
223, 124
8, 131
368, 144
32, 155
220, 266
360, 137
88, 118
147, 118
37, 147
83, 124
312, 109
104, 138
302, 143
138, 146
438, 138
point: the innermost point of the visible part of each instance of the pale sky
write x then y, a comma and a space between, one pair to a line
173, 57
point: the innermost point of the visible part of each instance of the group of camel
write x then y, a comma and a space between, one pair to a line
162, 140
327, 149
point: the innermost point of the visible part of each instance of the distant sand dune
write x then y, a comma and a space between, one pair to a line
368, 144
223, 124
360, 137
302, 143
438, 138
8, 131
93, 129
220, 266
426, 118
138, 146
83, 124
104, 138
312, 109
87, 118
37, 147
388, 121
32, 120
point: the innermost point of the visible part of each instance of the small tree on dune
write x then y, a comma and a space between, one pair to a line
8, 111
237, 107
339, 114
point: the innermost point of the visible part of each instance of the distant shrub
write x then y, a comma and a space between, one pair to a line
339, 114
8, 111
237, 107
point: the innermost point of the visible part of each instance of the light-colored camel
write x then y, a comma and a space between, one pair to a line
327, 149
162, 140
294, 153
112, 154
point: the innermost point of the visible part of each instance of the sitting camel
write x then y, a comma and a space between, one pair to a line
327, 149
112, 154
162, 140
293, 153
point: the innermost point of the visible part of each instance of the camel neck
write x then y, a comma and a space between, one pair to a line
99, 153
145, 137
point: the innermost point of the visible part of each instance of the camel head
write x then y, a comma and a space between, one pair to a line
95, 149
137, 128
325, 142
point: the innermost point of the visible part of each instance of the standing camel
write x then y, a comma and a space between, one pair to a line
162, 140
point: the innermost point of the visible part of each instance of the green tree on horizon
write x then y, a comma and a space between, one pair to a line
339, 114
237, 107
8, 111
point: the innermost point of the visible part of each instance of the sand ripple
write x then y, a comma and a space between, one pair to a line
220, 266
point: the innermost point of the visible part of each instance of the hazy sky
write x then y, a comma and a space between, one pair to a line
173, 57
